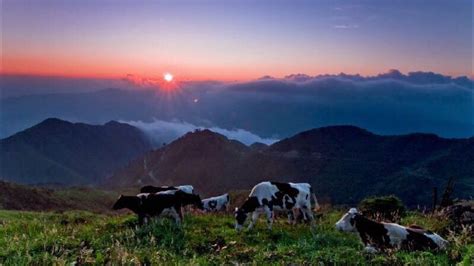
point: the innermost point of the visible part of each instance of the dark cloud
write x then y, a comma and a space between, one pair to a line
298, 77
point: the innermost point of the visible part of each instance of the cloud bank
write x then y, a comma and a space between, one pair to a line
166, 131
270, 108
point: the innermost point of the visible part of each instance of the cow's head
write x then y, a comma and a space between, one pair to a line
189, 199
129, 202
240, 217
347, 222
197, 202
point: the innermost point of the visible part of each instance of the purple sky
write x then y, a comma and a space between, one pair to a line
235, 40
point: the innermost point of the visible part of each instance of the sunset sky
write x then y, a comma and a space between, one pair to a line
234, 40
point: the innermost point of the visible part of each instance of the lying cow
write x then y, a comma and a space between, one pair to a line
147, 205
270, 196
379, 236
218, 203
152, 189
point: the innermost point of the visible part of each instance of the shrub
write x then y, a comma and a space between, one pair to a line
388, 208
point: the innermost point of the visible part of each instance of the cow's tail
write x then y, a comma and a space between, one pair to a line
316, 204
227, 205
317, 207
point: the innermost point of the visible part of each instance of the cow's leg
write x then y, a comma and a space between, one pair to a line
296, 215
253, 219
305, 217
291, 217
309, 214
370, 249
176, 215
269, 213
141, 219
180, 213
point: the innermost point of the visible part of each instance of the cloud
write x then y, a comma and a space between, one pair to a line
388, 103
346, 26
266, 77
166, 131
298, 77
273, 107
146, 82
416, 77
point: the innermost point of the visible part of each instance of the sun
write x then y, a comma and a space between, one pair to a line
168, 77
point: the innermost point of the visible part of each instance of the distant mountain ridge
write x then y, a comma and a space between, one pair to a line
61, 152
343, 163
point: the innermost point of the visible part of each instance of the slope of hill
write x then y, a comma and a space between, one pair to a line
57, 151
203, 158
26, 198
343, 163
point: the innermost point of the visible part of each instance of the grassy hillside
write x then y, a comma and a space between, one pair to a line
19, 197
47, 238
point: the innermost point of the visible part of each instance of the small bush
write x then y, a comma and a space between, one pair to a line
388, 208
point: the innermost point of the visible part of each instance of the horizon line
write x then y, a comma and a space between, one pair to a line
264, 76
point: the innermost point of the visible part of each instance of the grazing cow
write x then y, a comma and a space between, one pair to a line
152, 189
270, 196
301, 215
380, 236
147, 205
170, 190
218, 203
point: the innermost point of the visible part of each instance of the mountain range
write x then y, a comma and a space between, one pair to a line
64, 153
343, 163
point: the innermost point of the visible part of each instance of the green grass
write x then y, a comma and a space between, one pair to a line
53, 238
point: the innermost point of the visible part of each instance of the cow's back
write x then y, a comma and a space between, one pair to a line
263, 190
304, 194
303, 187
186, 188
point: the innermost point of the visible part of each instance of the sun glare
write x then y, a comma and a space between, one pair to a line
168, 77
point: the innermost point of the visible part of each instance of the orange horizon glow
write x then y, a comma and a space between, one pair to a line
73, 67
184, 78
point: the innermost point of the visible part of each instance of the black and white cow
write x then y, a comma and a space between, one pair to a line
152, 189
380, 236
218, 203
147, 205
269, 196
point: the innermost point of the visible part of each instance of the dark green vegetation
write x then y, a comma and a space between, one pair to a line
60, 152
387, 207
344, 164
47, 238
